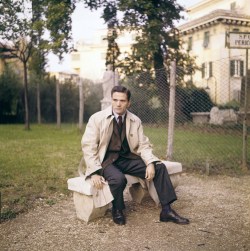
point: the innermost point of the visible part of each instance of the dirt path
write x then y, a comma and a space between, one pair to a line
218, 207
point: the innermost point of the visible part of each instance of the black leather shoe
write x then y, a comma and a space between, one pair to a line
172, 216
118, 217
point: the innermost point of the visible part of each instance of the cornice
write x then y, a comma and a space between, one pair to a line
202, 4
215, 17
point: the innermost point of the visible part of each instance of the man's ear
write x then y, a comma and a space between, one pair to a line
129, 104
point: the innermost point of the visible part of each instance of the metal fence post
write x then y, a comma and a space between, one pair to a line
171, 121
81, 104
244, 150
58, 104
0, 207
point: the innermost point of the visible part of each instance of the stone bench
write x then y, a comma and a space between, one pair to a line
83, 200
200, 117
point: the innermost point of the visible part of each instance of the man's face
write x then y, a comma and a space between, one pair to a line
120, 102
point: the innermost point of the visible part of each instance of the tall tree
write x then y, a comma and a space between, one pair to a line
16, 33
37, 68
38, 59
153, 22
59, 24
110, 17
21, 26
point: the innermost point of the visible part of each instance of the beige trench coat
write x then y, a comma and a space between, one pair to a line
98, 133
97, 137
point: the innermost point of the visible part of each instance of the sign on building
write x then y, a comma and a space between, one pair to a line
238, 40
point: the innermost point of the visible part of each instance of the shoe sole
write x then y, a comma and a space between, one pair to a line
176, 222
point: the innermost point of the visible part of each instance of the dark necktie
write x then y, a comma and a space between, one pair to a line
120, 122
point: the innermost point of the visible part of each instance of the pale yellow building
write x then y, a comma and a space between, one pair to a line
88, 59
63, 77
204, 36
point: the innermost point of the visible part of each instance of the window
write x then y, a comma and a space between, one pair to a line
207, 70
190, 43
206, 39
236, 68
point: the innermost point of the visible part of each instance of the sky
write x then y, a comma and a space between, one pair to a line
85, 23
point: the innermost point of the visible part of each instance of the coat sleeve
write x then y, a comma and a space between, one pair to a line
90, 142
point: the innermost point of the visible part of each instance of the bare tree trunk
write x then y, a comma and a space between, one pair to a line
171, 111
26, 99
81, 105
58, 105
38, 101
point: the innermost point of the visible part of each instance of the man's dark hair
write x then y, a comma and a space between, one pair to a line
119, 88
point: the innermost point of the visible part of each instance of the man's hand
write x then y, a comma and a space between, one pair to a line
97, 181
150, 172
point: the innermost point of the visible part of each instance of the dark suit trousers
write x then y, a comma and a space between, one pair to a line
115, 175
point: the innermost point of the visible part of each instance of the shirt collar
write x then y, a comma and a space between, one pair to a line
116, 116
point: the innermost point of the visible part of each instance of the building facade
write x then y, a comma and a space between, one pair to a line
204, 36
88, 59
63, 77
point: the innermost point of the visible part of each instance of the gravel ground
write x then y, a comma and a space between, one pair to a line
217, 206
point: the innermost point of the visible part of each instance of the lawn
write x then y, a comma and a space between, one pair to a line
194, 147
35, 164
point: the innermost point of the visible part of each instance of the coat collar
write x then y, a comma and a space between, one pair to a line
108, 113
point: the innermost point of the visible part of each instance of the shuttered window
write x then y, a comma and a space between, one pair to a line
206, 39
207, 70
236, 68
190, 43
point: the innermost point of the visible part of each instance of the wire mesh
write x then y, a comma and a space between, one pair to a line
208, 114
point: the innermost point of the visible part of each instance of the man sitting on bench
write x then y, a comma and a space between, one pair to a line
114, 145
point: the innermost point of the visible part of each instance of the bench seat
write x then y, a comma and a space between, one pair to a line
135, 191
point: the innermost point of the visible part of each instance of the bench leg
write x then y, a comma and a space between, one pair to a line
137, 192
85, 209
175, 179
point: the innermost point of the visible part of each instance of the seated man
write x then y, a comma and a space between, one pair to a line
114, 145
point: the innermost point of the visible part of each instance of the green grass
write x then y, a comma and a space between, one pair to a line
196, 146
36, 164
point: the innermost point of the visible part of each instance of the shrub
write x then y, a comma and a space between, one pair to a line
10, 98
191, 99
235, 105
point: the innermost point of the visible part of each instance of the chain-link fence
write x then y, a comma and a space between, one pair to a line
208, 114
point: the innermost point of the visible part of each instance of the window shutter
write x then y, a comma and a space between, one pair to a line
203, 70
210, 69
232, 62
206, 39
241, 68
190, 43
